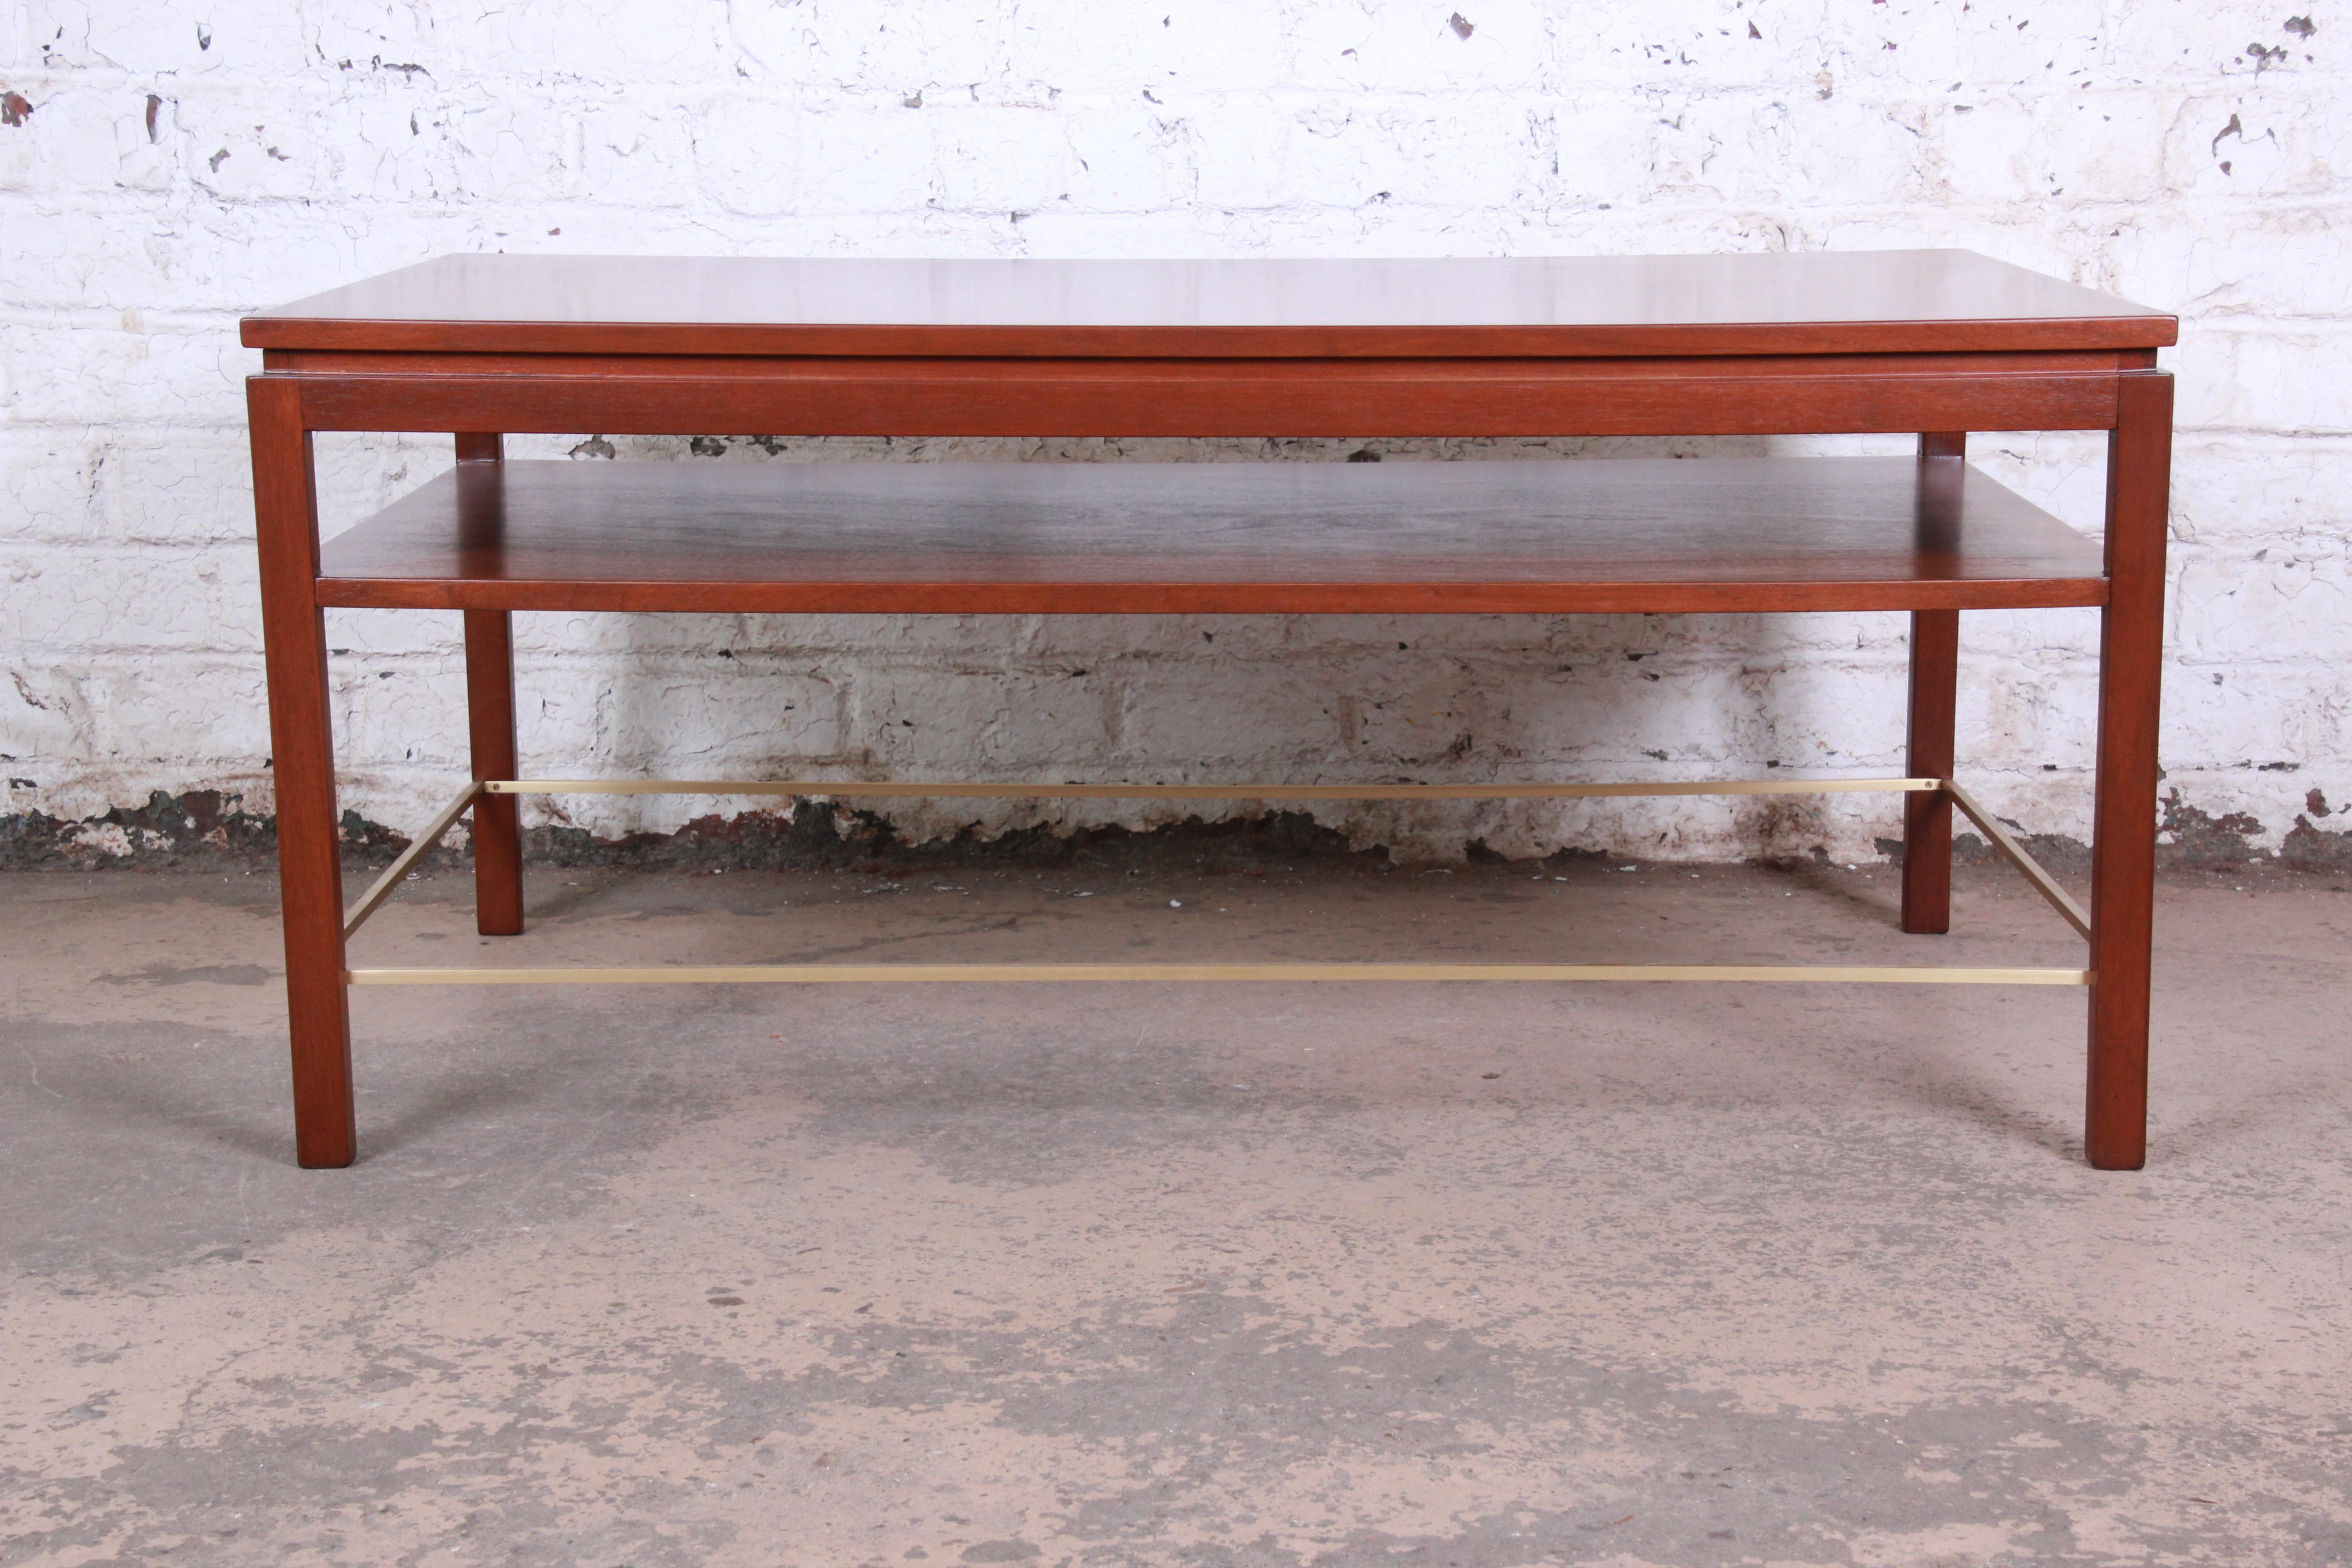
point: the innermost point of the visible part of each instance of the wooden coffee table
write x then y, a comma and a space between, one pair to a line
1933, 342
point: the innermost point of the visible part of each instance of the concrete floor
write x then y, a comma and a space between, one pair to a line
1503, 1274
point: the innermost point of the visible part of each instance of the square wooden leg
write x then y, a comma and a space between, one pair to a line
302, 763
490, 718
2122, 848
490, 725
1935, 694
1928, 819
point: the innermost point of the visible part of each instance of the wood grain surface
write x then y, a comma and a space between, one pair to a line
2123, 824
1633, 535
1932, 714
302, 773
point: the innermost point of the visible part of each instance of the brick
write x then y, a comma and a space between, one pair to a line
2252, 491
1129, 162
915, 720
195, 490
67, 141
1227, 45
1415, 48
2247, 378
1007, 156
50, 480
593, 40
1355, 152
83, 375
634, 157
400, 713
45, 723
2029, 145
2213, 266
146, 598
747, 155
2287, 602
2295, 717
2203, 39
1414, 715
677, 716
1175, 719
877, 47
200, 711
142, 37
372, 635
2277, 140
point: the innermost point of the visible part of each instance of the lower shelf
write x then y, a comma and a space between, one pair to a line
1620, 535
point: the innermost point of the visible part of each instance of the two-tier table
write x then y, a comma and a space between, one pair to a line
1938, 343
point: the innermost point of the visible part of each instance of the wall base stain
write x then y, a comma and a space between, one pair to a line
176, 831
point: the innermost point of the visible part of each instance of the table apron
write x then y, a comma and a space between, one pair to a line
1226, 398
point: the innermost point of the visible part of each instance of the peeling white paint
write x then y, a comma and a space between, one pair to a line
160, 179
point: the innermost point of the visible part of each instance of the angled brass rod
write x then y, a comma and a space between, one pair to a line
418, 848
2015, 852
853, 789
854, 974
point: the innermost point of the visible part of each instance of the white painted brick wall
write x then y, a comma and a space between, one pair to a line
164, 171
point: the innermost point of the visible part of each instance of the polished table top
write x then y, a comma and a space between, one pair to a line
1912, 302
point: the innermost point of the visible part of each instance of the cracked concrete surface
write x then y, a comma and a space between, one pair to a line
1282, 1275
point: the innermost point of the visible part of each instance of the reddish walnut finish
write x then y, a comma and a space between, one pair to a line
1935, 693
1625, 536
1904, 301
1935, 343
490, 724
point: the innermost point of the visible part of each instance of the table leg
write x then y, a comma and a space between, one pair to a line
1928, 819
491, 726
490, 720
302, 763
2123, 834
1935, 696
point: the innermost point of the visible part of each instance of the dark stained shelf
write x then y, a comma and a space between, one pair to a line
1548, 537
1888, 301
